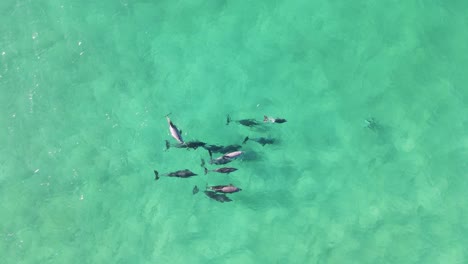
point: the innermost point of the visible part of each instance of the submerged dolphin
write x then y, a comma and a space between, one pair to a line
226, 158
187, 145
224, 188
273, 120
180, 174
233, 155
219, 161
244, 122
262, 141
175, 132
222, 149
221, 170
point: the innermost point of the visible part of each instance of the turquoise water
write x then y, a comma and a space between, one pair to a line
85, 87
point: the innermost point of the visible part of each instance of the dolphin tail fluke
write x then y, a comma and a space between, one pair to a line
228, 120
211, 154
265, 118
245, 140
156, 175
206, 170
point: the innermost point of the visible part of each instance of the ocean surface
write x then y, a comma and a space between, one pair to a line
370, 167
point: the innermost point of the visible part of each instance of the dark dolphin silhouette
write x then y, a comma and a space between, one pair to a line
188, 144
244, 122
226, 170
180, 174
262, 141
222, 149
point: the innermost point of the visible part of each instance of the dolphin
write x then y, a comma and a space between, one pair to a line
226, 158
262, 141
221, 170
244, 122
233, 155
175, 132
194, 144
180, 174
273, 120
188, 144
218, 161
220, 197
222, 149
224, 188
213, 148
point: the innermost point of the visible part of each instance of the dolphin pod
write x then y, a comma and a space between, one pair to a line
229, 154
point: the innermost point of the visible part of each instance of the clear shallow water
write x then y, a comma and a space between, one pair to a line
85, 87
